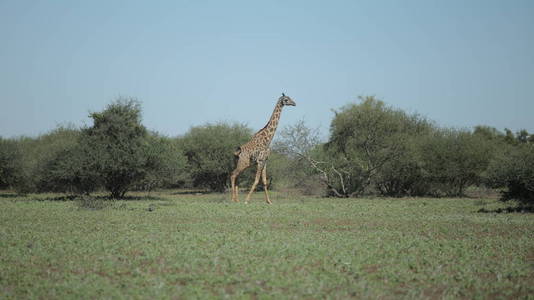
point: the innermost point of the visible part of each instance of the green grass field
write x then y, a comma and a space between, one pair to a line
173, 245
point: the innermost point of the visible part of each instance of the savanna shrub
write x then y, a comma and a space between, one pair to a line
405, 175
452, 160
513, 169
165, 166
122, 152
69, 171
291, 161
37, 153
10, 163
366, 146
116, 153
62, 165
209, 150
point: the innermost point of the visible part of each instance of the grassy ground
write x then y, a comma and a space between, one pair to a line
172, 245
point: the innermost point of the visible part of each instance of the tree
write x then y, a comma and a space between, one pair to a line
509, 137
116, 146
209, 150
34, 155
522, 136
405, 175
10, 163
365, 138
453, 160
513, 169
489, 133
62, 164
116, 153
165, 165
299, 164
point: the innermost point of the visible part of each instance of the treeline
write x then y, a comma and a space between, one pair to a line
372, 149
378, 150
118, 154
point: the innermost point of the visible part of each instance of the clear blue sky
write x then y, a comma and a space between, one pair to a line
460, 63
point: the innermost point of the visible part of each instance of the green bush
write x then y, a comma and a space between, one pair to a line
372, 149
452, 160
10, 163
69, 170
375, 149
165, 166
513, 169
36, 154
209, 150
405, 175
118, 147
367, 144
116, 153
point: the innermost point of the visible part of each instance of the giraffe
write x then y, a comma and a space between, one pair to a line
257, 151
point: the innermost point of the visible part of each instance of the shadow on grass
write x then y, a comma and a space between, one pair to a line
510, 209
137, 198
194, 192
99, 197
9, 196
56, 198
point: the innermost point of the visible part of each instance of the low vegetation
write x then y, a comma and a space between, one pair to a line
181, 245
373, 149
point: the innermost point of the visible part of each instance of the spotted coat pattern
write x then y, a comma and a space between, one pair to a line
257, 151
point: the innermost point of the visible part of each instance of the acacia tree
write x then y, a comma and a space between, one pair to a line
369, 150
116, 146
303, 167
367, 137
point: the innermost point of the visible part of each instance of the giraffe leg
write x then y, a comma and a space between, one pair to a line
242, 164
235, 188
256, 180
233, 179
264, 181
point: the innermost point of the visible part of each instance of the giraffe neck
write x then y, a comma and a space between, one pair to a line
270, 127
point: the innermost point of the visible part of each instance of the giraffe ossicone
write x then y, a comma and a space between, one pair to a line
257, 151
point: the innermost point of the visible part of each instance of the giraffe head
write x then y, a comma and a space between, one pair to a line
286, 101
